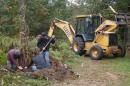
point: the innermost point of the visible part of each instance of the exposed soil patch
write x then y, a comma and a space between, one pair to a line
58, 72
94, 73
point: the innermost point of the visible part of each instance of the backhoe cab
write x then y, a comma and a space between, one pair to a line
86, 26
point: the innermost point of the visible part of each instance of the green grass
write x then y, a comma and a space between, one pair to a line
11, 79
65, 54
3, 58
122, 66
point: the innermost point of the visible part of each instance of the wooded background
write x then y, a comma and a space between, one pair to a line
39, 13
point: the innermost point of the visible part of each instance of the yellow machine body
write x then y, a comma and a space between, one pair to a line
101, 39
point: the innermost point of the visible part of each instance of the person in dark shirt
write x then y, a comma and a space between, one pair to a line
43, 39
42, 60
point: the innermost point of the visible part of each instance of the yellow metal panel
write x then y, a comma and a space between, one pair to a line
107, 26
88, 45
102, 39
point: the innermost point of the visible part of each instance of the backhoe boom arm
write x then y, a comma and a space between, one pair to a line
64, 26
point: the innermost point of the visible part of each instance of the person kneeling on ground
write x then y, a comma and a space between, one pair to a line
12, 56
38, 62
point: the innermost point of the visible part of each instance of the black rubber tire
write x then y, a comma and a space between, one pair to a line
80, 43
99, 51
122, 52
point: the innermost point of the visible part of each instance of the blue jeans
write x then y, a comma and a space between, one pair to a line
46, 58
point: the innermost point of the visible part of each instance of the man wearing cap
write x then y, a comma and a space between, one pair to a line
43, 45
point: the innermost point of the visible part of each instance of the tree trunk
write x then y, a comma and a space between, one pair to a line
24, 32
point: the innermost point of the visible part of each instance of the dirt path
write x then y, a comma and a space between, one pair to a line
93, 73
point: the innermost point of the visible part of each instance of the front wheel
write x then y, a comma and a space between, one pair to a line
78, 45
96, 52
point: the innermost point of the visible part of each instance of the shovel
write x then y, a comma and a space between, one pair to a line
48, 42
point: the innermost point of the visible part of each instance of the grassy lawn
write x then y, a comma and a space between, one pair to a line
12, 79
122, 66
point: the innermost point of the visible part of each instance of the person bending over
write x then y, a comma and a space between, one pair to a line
12, 56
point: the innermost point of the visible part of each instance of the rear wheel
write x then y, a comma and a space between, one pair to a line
96, 52
78, 45
121, 52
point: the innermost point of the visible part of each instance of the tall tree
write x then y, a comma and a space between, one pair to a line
9, 18
37, 16
24, 31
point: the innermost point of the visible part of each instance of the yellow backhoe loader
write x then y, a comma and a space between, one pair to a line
93, 35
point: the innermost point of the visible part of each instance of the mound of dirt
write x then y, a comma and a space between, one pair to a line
58, 72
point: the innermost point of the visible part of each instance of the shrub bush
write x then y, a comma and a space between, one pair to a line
64, 53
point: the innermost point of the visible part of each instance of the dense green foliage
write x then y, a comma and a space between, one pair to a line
9, 16
39, 13
62, 52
